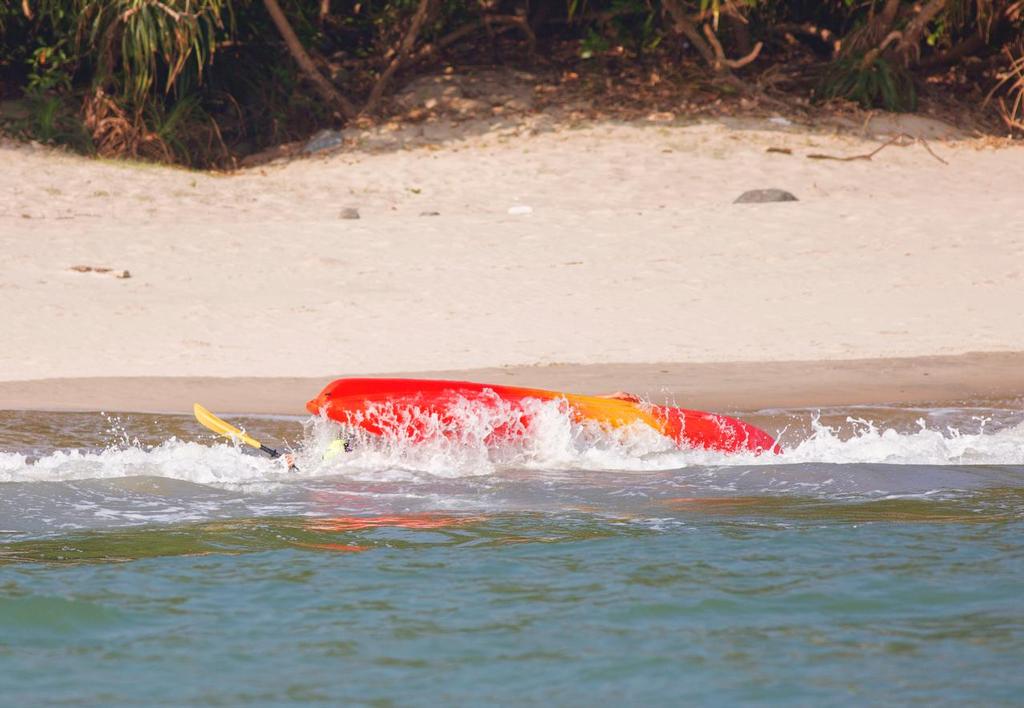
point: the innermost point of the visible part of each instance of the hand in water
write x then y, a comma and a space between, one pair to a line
622, 396
333, 450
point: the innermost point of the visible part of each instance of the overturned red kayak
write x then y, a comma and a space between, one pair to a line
408, 407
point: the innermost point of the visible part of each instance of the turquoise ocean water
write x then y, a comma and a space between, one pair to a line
880, 560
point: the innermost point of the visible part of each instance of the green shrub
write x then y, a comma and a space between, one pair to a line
876, 84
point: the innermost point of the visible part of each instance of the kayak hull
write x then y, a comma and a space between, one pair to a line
413, 404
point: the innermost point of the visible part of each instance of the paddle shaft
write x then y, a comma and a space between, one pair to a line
274, 454
222, 427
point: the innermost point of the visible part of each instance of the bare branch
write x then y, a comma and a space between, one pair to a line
447, 40
743, 61
968, 46
502, 22
877, 27
872, 54
519, 21
708, 45
901, 140
720, 58
419, 18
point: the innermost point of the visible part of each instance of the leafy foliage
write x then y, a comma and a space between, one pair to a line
135, 44
200, 82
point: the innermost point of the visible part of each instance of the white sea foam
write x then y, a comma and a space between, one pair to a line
176, 459
465, 447
873, 443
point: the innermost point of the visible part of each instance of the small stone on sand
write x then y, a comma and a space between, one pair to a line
760, 196
349, 213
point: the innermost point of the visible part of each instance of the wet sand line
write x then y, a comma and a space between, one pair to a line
737, 386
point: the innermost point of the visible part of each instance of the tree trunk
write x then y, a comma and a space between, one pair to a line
689, 30
871, 35
740, 35
404, 47
909, 45
302, 58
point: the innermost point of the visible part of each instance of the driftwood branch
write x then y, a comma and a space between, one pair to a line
305, 62
897, 140
419, 18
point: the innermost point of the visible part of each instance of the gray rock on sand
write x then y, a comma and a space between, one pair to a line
760, 196
349, 213
324, 140
430, 213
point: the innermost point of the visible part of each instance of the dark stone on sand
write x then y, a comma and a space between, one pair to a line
760, 196
430, 213
349, 213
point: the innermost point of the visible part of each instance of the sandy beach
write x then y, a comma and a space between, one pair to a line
584, 257
970, 379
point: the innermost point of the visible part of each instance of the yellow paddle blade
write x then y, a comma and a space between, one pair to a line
209, 420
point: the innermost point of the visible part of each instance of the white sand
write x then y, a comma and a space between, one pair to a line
633, 253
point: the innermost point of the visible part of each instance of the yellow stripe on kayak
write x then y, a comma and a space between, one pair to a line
611, 411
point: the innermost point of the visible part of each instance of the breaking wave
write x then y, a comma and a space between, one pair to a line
465, 447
